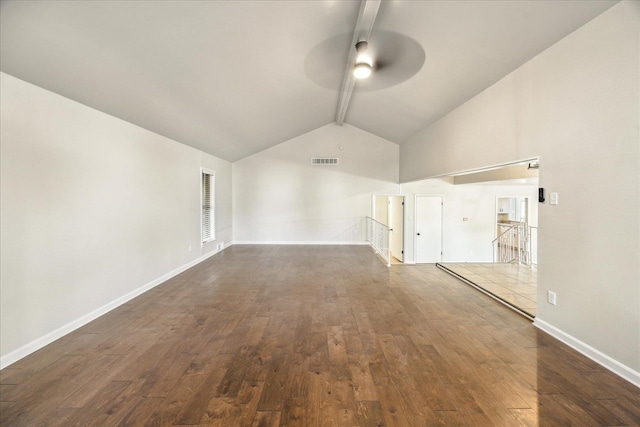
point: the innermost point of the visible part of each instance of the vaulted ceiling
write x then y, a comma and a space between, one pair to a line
233, 78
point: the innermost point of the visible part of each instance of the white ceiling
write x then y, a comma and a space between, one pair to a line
229, 78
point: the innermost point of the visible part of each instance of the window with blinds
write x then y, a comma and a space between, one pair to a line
208, 206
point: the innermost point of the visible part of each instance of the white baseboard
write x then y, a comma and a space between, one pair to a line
297, 242
47, 339
597, 356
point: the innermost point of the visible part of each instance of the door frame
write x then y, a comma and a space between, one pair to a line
415, 224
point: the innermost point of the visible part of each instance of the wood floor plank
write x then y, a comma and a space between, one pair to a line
235, 375
621, 408
393, 407
160, 379
138, 410
225, 411
311, 336
318, 351
293, 413
272, 395
57, 384
88, 385
362, 380
199, 377
193, 410
100, 405
526, 417
370, 414
10, 375
338, 359
378, 365
266, 419
319, 408
344, 403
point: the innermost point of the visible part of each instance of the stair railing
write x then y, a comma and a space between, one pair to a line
517, 243
378, 237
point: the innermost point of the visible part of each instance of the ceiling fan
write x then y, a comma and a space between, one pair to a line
364, 60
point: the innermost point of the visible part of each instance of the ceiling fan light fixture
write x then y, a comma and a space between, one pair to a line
362, 70
364, 63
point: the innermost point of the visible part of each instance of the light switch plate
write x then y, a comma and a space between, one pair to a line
553, 199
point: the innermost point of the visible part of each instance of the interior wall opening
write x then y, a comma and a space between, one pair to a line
503, 200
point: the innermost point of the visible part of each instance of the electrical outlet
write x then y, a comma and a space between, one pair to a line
551, 297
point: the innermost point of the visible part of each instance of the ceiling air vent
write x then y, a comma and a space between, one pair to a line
324, 161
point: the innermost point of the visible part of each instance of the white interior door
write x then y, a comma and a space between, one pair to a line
397, 225
428, 229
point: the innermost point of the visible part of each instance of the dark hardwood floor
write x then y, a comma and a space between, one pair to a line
312, 335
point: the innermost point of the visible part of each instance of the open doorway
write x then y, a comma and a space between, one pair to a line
507, 197
389, 210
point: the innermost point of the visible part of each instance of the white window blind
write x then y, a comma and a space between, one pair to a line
208, 206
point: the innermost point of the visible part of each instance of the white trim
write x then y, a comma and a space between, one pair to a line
47, 339
597, 356
299, 242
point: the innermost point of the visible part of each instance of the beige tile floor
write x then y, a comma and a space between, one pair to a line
514, 283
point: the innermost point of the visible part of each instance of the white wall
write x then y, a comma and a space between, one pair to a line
278, 196
577, 106
463, 241
94, 210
